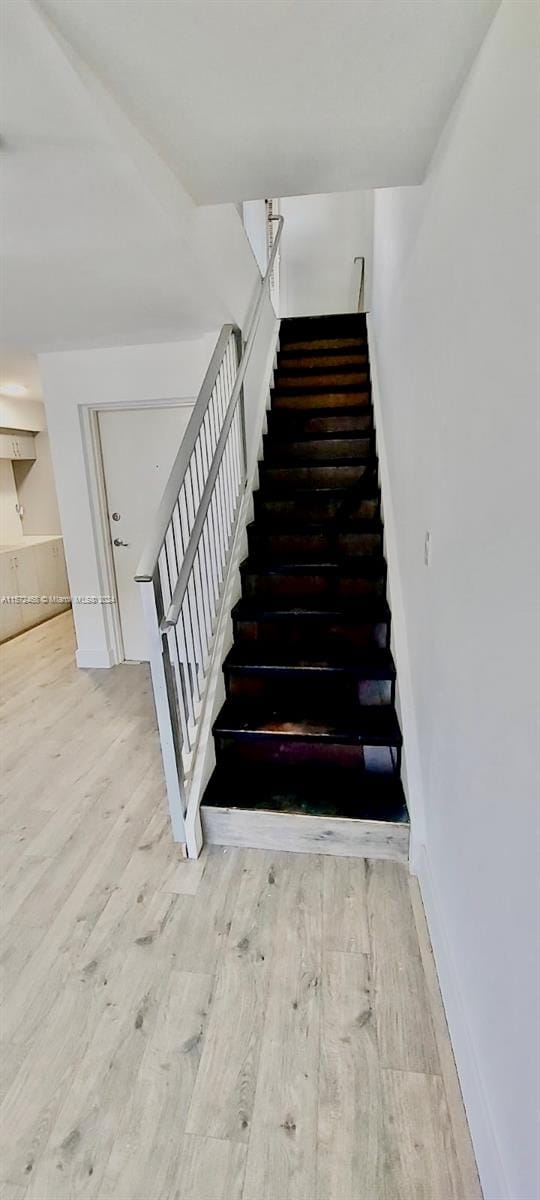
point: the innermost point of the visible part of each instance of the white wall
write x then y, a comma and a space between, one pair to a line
37, 491
455, 326
73, 382
254, 218
322, 236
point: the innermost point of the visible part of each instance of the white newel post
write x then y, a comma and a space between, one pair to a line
171, 751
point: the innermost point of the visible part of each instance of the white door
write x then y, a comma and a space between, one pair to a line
139, 446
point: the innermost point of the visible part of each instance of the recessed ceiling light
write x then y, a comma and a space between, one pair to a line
13, 389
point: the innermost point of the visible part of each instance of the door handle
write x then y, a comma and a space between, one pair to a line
119, 542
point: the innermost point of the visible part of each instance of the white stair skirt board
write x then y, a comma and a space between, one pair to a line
304, 833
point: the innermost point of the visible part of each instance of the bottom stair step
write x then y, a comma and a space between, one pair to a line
307, 811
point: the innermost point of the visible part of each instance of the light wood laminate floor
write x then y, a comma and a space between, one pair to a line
253, 1026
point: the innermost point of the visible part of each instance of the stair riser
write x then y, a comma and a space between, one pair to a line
312, 450
304, 687
328, 380
306, 634
284, 425
298, 362
311, 586
312, 401
338, 325
329, 476
285, 751
334, 344
308, 547
322, 386
316, 509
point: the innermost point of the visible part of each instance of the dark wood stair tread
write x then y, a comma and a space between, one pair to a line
322, 401
301, 790
324, 436
350, 457
369, 564
324, 404
293, 478
374, 664
266, 525
333, 380
299, 387
327, 500
354, 726
323, 360
319, 346
298, 424
361, 609
316, 345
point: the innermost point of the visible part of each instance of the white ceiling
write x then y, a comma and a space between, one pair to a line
19, 366
88, 256
254, 98
233, 99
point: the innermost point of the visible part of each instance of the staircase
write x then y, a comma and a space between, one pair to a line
308, 745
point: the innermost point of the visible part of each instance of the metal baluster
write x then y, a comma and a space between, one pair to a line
224, 518
182, 690
202, 548
232, 452
179, 633
231, 359
215, 547
185, 618
229, 467
211, 570
184, 641
198, 593
214, 417
221, 403
227, 496
179, 538
229, 499
208, 532
190, 598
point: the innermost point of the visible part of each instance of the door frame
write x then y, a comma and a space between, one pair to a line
97, 494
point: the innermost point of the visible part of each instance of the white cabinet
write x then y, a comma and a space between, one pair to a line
51, 574
11, 616
60, 569
34, 570
17, 445
26, 569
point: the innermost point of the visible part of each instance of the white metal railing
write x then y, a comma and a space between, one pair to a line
183, 569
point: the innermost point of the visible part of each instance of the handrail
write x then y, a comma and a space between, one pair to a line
361, 258
171, 617
147, 562
184, 569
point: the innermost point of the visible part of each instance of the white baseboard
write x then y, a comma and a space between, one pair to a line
490, 1167
87, 658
